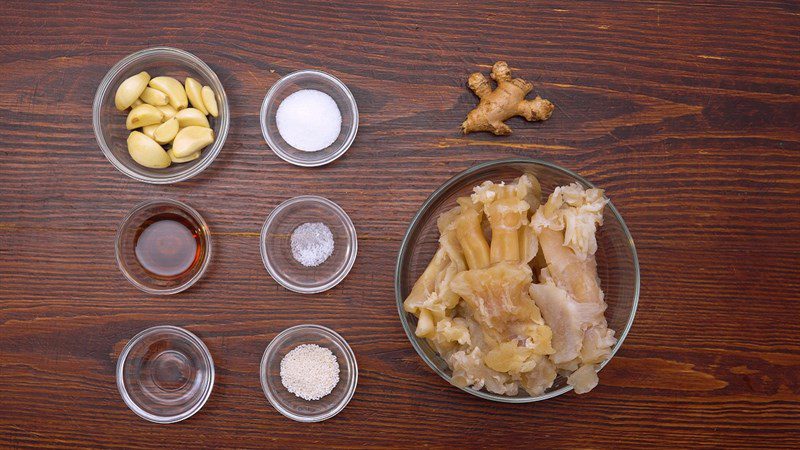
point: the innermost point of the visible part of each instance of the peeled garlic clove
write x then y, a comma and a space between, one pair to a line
176, 159
168, 111
166, 131
142, 116
193, 89
192, 117
137, 102
130, 90
147, 152
174, 90
210, 101
191, 139
154, 97
150, 129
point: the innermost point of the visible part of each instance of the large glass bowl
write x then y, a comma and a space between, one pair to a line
617, 264
109, 124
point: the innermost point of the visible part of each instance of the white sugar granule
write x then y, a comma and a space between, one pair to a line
310, 371
312, 243
309, 120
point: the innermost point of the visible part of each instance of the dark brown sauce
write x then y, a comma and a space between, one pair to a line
169, 245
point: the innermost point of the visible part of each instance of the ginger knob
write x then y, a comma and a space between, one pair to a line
505, 101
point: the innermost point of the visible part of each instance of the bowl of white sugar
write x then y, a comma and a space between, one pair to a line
308, 244
309, 373
309, 118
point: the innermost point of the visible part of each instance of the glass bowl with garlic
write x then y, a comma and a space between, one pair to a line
161, 115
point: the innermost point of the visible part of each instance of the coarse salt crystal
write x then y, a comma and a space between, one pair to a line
309, 120
312, 243
310, 371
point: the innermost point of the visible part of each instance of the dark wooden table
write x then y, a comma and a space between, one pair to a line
688, 116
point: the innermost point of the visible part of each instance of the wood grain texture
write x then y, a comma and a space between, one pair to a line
687, 115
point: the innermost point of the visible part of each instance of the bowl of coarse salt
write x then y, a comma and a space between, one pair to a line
309, 373
309, 118
308, 244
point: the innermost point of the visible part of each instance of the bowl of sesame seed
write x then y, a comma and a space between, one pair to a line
308, 373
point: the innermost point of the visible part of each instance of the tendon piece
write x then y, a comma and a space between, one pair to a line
425, 325
497, 295
437, 303
442, 298
507, 213
448, 239
533, 196
431, 296
597, 343
453, 330
539, 378
567, 318
584, 379
576, 211
470, 234
534, 335
528, 244
581, 221
470, 370
578, 277
426, 283
446, 219
508, 357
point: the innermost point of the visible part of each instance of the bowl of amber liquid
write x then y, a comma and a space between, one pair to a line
163, 247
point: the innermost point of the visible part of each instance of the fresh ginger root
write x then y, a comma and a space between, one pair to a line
502, 103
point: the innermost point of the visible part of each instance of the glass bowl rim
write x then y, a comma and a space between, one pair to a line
200, 221
105, 85
415, 223
269, 99
351, 233
175, 331
351, 363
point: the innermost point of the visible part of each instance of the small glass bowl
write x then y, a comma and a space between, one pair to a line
165, 374
617, 263
320, 81
276, 251
295, 407
125, 247
109, 124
